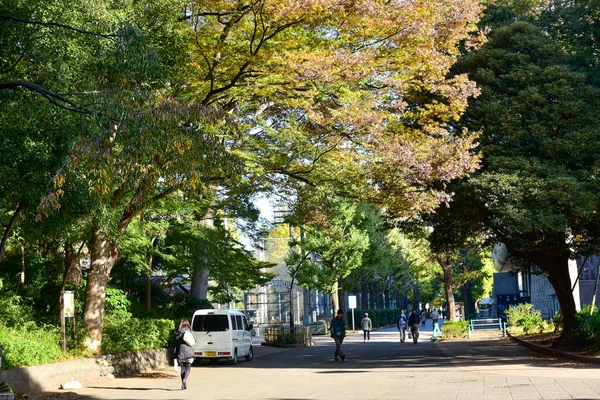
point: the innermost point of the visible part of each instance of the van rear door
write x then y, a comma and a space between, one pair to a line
212, 332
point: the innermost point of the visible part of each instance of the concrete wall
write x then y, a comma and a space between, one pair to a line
50, 377
543, 296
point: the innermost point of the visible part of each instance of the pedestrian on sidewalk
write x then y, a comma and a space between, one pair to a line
184, 353
402, 326
423, 317
367, 326
413, 323
435, 316
338, 333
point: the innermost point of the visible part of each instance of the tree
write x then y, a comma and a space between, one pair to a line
334, 234
275, 92
536, 190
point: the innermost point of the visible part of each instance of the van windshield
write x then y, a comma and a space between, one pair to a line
210, 323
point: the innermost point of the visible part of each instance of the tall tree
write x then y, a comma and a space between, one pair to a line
334, 233
536, 191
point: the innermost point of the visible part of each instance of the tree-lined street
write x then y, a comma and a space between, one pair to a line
381, 369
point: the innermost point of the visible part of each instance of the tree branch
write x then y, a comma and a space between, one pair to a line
52, 97
56, 24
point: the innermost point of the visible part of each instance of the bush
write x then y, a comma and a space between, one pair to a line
117, 303
526, 317
29, 346
134, 334
379, 317
455, 329
557, 320
15, 311
587, 327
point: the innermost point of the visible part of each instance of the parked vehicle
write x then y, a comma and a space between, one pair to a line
222, 334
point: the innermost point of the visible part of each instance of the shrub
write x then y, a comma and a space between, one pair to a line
557, 319
117, 303
134, 334
15, 311
455, 329
587, 327
379, 317
526, 317
29, 346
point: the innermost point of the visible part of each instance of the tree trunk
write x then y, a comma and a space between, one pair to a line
149, 275
558, 275
416, 297
291, 294
364, 297
8, 230
334, 298
104, 255
595, 291
449, 292
341, 296
148, 290
22, 280
199, 287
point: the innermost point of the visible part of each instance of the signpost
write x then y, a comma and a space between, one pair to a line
352, 305
67, 301
69, 304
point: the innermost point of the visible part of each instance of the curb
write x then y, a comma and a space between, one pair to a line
554, 352
286, 345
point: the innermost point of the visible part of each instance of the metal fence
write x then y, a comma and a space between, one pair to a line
301, 335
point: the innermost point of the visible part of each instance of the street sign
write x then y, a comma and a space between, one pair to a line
351, 301
352, 305
69, 303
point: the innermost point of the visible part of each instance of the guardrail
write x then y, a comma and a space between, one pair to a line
487, 324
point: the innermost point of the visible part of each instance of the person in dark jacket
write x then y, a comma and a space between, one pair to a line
414, 323
184, 353
338, 333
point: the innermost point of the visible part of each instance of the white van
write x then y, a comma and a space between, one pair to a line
221, 334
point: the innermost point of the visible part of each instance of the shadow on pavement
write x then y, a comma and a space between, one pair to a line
134, 388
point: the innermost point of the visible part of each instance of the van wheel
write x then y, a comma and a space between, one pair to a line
234, 359
250, 355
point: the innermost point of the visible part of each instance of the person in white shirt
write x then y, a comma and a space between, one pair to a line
402, 326
367, 326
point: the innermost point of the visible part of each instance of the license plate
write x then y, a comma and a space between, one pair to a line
211, 354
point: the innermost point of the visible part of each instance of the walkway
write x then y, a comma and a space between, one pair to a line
381, 369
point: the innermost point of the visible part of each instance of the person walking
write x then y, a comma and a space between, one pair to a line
402, 326
435, 316
338, 333
413, 323
184, 353
423, 317
367, 326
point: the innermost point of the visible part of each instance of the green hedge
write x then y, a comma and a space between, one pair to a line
28, 346
455, 329
134, 334
379, 317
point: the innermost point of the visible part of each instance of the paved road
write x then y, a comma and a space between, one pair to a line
381, 369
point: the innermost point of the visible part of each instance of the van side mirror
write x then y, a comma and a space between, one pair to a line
250, 327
